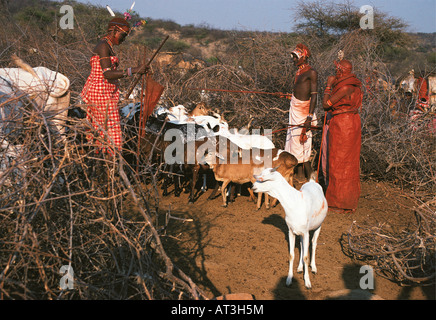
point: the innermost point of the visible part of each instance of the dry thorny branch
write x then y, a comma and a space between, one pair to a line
55, 210
407, 256
62, 204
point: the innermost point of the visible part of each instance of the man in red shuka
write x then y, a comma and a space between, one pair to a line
342, 99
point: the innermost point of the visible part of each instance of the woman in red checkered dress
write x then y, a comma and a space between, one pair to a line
101, 91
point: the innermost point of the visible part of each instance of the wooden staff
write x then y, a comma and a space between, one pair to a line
320, 149
297, 125
135, 82
141, 111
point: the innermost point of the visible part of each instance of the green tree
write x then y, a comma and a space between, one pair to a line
329, 20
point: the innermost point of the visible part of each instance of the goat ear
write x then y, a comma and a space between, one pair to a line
219, 156
258, 178
275, 169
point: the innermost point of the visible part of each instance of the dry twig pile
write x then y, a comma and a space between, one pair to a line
406, 256
63, 205
56, 210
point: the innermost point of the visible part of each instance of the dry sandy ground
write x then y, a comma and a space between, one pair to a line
241, 250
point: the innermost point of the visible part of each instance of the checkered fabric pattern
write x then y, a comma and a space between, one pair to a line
102, 97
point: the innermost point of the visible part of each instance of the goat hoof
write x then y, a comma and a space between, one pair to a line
288, 281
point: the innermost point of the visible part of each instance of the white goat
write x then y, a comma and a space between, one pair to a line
48, 89
305, 211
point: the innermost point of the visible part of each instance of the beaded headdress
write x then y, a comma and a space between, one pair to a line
301, 51
128, 16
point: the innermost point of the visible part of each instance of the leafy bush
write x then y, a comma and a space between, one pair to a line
431, 58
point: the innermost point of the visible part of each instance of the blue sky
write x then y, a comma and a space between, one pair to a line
264, 15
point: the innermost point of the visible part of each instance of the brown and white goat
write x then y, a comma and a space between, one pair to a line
200, 110
285, 163
238, 170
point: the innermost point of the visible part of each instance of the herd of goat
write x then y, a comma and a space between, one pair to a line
233, 156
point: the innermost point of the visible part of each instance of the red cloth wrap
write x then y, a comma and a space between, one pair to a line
422, 89
343, 190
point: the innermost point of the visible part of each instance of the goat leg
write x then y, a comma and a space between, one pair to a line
314, 243
291, 257
204, 186
165, 183
306, 260
267, 200
178, 184
232, 190
259, 200
212, 195
224, 192
274, 202
252, 197
194, 178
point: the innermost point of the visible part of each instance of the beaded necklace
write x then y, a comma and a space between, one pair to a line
110, 44
302, 69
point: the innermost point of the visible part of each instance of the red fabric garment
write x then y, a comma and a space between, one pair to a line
344, 144
343, 190
422, 89
347, 105
102, 97
153, 91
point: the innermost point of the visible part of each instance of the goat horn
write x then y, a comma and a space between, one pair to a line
275, 169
